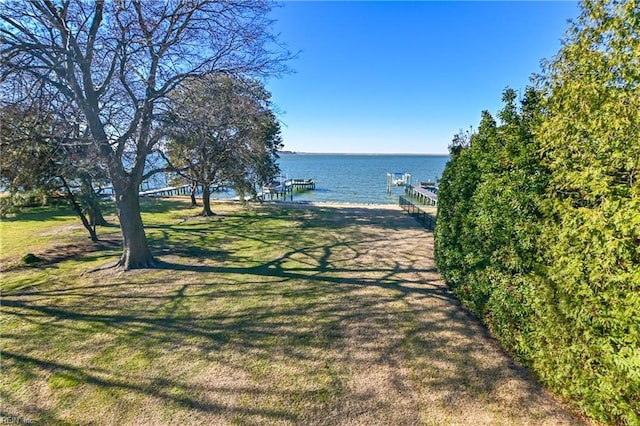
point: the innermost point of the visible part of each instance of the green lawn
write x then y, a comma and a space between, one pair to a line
262, 315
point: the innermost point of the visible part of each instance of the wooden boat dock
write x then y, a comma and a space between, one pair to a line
425, 195
169, 191
286, 188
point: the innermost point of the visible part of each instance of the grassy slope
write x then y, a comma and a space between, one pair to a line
299, 315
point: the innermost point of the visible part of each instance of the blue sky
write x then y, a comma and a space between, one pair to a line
404, 77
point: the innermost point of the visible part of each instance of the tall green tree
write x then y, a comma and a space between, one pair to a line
222, 131
591, 143
117, 61
457, 185
539, 217
488, 215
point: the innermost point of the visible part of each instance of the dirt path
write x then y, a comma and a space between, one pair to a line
414, 354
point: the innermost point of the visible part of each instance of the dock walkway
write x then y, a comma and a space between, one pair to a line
427, 196
286, 188
168, 191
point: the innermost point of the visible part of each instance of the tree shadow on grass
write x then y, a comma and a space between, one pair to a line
167, 390
447, 338
163, 205
38, 214
185, 242
85, 250
308, 309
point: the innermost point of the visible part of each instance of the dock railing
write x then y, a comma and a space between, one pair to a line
426, 219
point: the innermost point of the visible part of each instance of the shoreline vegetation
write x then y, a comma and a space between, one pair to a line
280, 313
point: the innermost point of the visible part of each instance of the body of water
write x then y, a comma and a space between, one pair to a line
357, 178
345, 178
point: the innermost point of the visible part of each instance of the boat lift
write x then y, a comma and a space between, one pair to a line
398, 179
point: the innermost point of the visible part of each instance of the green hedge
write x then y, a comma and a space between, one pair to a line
539, 218
488, 217
557, 280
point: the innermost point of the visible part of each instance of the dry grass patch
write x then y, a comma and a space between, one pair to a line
268, 315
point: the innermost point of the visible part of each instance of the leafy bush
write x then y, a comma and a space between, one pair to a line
591, 144
489, 207
17, 200
539, 218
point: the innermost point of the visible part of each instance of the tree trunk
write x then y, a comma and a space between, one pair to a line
87, 225
206, 201
96, 217
92, 203
194, 188
76, 207
135, 250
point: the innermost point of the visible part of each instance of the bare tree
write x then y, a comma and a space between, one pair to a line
118, 60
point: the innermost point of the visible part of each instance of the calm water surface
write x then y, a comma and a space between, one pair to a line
346, 178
